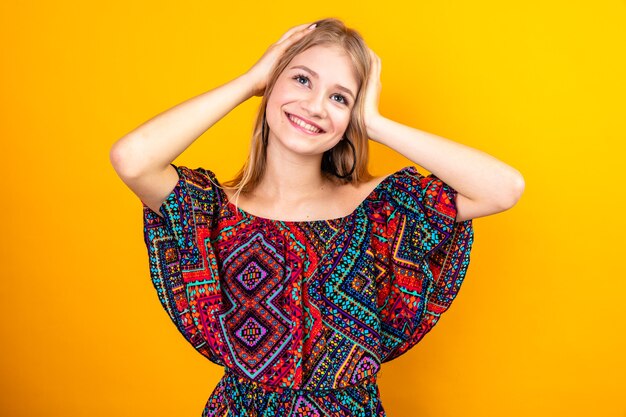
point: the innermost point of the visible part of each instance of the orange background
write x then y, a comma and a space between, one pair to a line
538, 328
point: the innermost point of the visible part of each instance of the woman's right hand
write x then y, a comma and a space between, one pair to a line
260, 72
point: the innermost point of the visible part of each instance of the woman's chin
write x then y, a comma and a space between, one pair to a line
302, 146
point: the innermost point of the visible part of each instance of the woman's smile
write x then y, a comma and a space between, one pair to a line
304, 125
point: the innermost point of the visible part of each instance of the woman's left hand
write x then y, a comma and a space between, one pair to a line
372, 95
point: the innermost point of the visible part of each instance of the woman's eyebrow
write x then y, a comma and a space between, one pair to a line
313, 73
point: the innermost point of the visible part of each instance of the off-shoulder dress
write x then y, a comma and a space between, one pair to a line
301, 314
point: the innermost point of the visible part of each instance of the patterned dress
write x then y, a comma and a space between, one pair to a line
301, 314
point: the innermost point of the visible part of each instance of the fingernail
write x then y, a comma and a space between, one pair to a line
312, 26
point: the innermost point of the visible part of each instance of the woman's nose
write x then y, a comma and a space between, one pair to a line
314, 104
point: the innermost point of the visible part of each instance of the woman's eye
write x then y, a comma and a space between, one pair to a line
342, 99
301, 77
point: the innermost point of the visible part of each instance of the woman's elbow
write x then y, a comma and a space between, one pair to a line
515, 191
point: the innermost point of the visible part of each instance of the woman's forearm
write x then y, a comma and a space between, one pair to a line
473, 173
157, 142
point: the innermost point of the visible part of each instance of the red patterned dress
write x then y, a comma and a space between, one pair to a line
301, 314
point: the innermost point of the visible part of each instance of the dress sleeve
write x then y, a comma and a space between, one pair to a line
182, 262
428, 256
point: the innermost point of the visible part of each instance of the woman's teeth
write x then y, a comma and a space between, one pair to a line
304, 125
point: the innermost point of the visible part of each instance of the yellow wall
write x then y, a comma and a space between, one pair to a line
538, 326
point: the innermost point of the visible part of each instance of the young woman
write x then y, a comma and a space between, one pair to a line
303, 274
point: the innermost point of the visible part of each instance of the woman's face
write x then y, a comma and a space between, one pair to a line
309, 108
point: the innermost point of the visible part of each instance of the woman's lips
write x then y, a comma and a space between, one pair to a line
302, 129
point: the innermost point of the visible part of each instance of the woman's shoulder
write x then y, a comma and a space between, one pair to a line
380, 182
354, 194
372, 184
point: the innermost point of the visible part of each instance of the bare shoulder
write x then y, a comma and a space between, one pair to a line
371, 184
359, 192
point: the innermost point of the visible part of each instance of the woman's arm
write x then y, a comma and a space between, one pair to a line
150, 148
485, 185
142, 158
156, 143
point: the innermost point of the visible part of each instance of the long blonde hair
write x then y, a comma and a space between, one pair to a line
340, 158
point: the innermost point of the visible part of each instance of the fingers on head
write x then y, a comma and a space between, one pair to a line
296, 30
376, 61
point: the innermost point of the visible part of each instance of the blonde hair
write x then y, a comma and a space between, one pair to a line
340, 158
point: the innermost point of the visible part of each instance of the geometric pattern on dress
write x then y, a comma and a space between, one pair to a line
256, 329
185, 278
251, 332
301, 314
254, 399
425, 273
366, 366
251, 275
